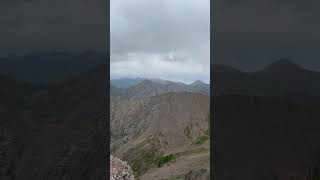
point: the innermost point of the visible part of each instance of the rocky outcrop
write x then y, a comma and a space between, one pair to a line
120, 170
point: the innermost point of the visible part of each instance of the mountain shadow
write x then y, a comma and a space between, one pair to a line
281, 78
57, 131
266, 123
51, 66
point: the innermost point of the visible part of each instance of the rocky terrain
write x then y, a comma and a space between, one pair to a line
120, 170
161, 134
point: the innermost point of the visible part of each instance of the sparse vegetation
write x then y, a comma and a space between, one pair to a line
166, 159
148, 157
147, 161
187, 131
151, 158
201, 139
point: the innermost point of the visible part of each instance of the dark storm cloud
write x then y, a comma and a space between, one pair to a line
252, 33
52, 24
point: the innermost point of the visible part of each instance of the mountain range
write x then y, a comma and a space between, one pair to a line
161, 128
281, 78
139, 88
48, 67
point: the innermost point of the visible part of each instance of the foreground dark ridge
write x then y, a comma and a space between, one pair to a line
60, 133
265, 138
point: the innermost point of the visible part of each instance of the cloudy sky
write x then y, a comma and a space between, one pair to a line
167, 39
35, 25
250, 34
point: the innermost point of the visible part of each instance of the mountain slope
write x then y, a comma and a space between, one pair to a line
60, 135
170, 123
115, 91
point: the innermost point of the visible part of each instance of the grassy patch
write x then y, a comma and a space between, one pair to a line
201, 139
149, 160
166, 159
146, 156
146, 161
149, 157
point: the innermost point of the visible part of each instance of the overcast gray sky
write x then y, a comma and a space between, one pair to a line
167, 39
35, 25
249, 34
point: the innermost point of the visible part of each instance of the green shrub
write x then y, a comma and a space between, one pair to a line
166, 159
201, 139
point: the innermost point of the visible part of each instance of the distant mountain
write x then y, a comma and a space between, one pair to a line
46, 67
160, 81
198, 83
281, 78
125, 83
115, 91
149, 88
199, 87
282, 66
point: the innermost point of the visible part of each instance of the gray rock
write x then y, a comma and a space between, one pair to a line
120, 170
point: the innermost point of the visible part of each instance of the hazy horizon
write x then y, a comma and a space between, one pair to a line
140, 77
